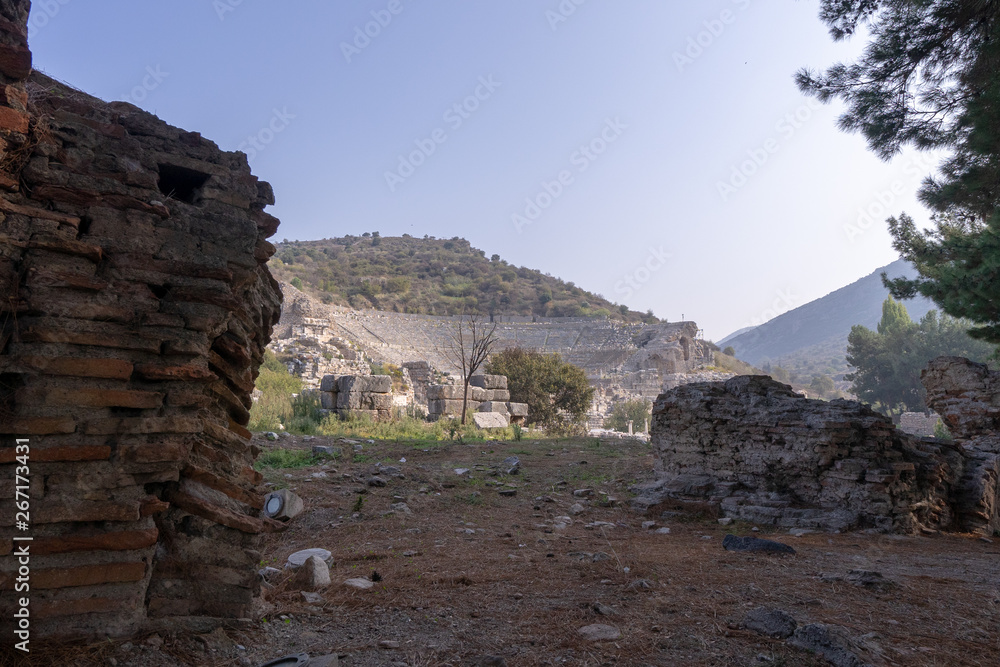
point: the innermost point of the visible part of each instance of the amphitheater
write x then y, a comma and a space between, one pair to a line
621, 360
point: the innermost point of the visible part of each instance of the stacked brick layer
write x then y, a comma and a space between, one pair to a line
136, 308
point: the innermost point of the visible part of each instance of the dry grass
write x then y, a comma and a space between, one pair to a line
510, 587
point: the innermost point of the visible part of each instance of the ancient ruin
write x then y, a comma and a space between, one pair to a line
622, 361
762, 453
136, 308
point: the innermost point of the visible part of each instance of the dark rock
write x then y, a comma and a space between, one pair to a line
770, 622
750, 543
831, 642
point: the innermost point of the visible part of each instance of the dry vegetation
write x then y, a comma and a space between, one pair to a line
472, 574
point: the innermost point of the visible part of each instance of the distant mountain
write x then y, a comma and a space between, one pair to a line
432, 276
738, 332
818, 330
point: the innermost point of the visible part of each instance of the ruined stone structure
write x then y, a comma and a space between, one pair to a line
487, 394
623, 361
765, 454
369, 395
136, 306
967, 396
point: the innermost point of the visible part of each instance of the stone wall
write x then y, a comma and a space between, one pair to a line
967, 396
763, 453
136, 308
358, 395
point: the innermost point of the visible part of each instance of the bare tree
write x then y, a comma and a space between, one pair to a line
471, 343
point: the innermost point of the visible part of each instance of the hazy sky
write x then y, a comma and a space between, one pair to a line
654, 151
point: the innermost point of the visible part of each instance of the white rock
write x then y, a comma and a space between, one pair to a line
297, 559
598, 632
360, 583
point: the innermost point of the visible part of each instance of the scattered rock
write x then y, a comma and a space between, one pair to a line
870, 579
640, 585
749, 543
829, 641
507, 492
580, 555
770, 622
325, 450
725, 521
298, 558
154, 640
599, 556
377, 482
360, 583
269, 574
598, 632
599, 524
312, 598
603, 609
577, 508
511, 465
293, 660
312, 575
461, 471
662, 531
271, 435
648, 525
388, 644
583, 493
402, 508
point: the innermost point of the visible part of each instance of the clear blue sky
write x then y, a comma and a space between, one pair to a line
708, 181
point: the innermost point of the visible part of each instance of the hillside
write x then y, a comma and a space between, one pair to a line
432, 276
813, 338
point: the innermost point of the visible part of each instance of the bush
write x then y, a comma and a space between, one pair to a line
638, 411
557, 393
277, 386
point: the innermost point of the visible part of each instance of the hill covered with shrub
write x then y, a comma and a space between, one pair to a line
433, 277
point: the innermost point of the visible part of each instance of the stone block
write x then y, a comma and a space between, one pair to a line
490, 420
445, 391
500, 395
518, 409
381, 384
328, 400
478, 394
494, 406
329, 383
489, 381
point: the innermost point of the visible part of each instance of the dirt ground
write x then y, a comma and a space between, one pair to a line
486, 569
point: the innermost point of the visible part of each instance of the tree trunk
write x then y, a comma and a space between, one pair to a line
465, 400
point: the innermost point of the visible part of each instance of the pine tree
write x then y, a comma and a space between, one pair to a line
928, 79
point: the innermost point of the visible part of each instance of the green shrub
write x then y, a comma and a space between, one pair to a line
637, 411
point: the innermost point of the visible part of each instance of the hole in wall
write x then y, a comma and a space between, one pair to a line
181, 183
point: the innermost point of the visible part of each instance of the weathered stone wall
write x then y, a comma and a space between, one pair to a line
765, 454
967, 396
919, 423
136, 305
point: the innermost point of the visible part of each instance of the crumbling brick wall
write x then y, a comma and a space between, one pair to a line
136, 305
